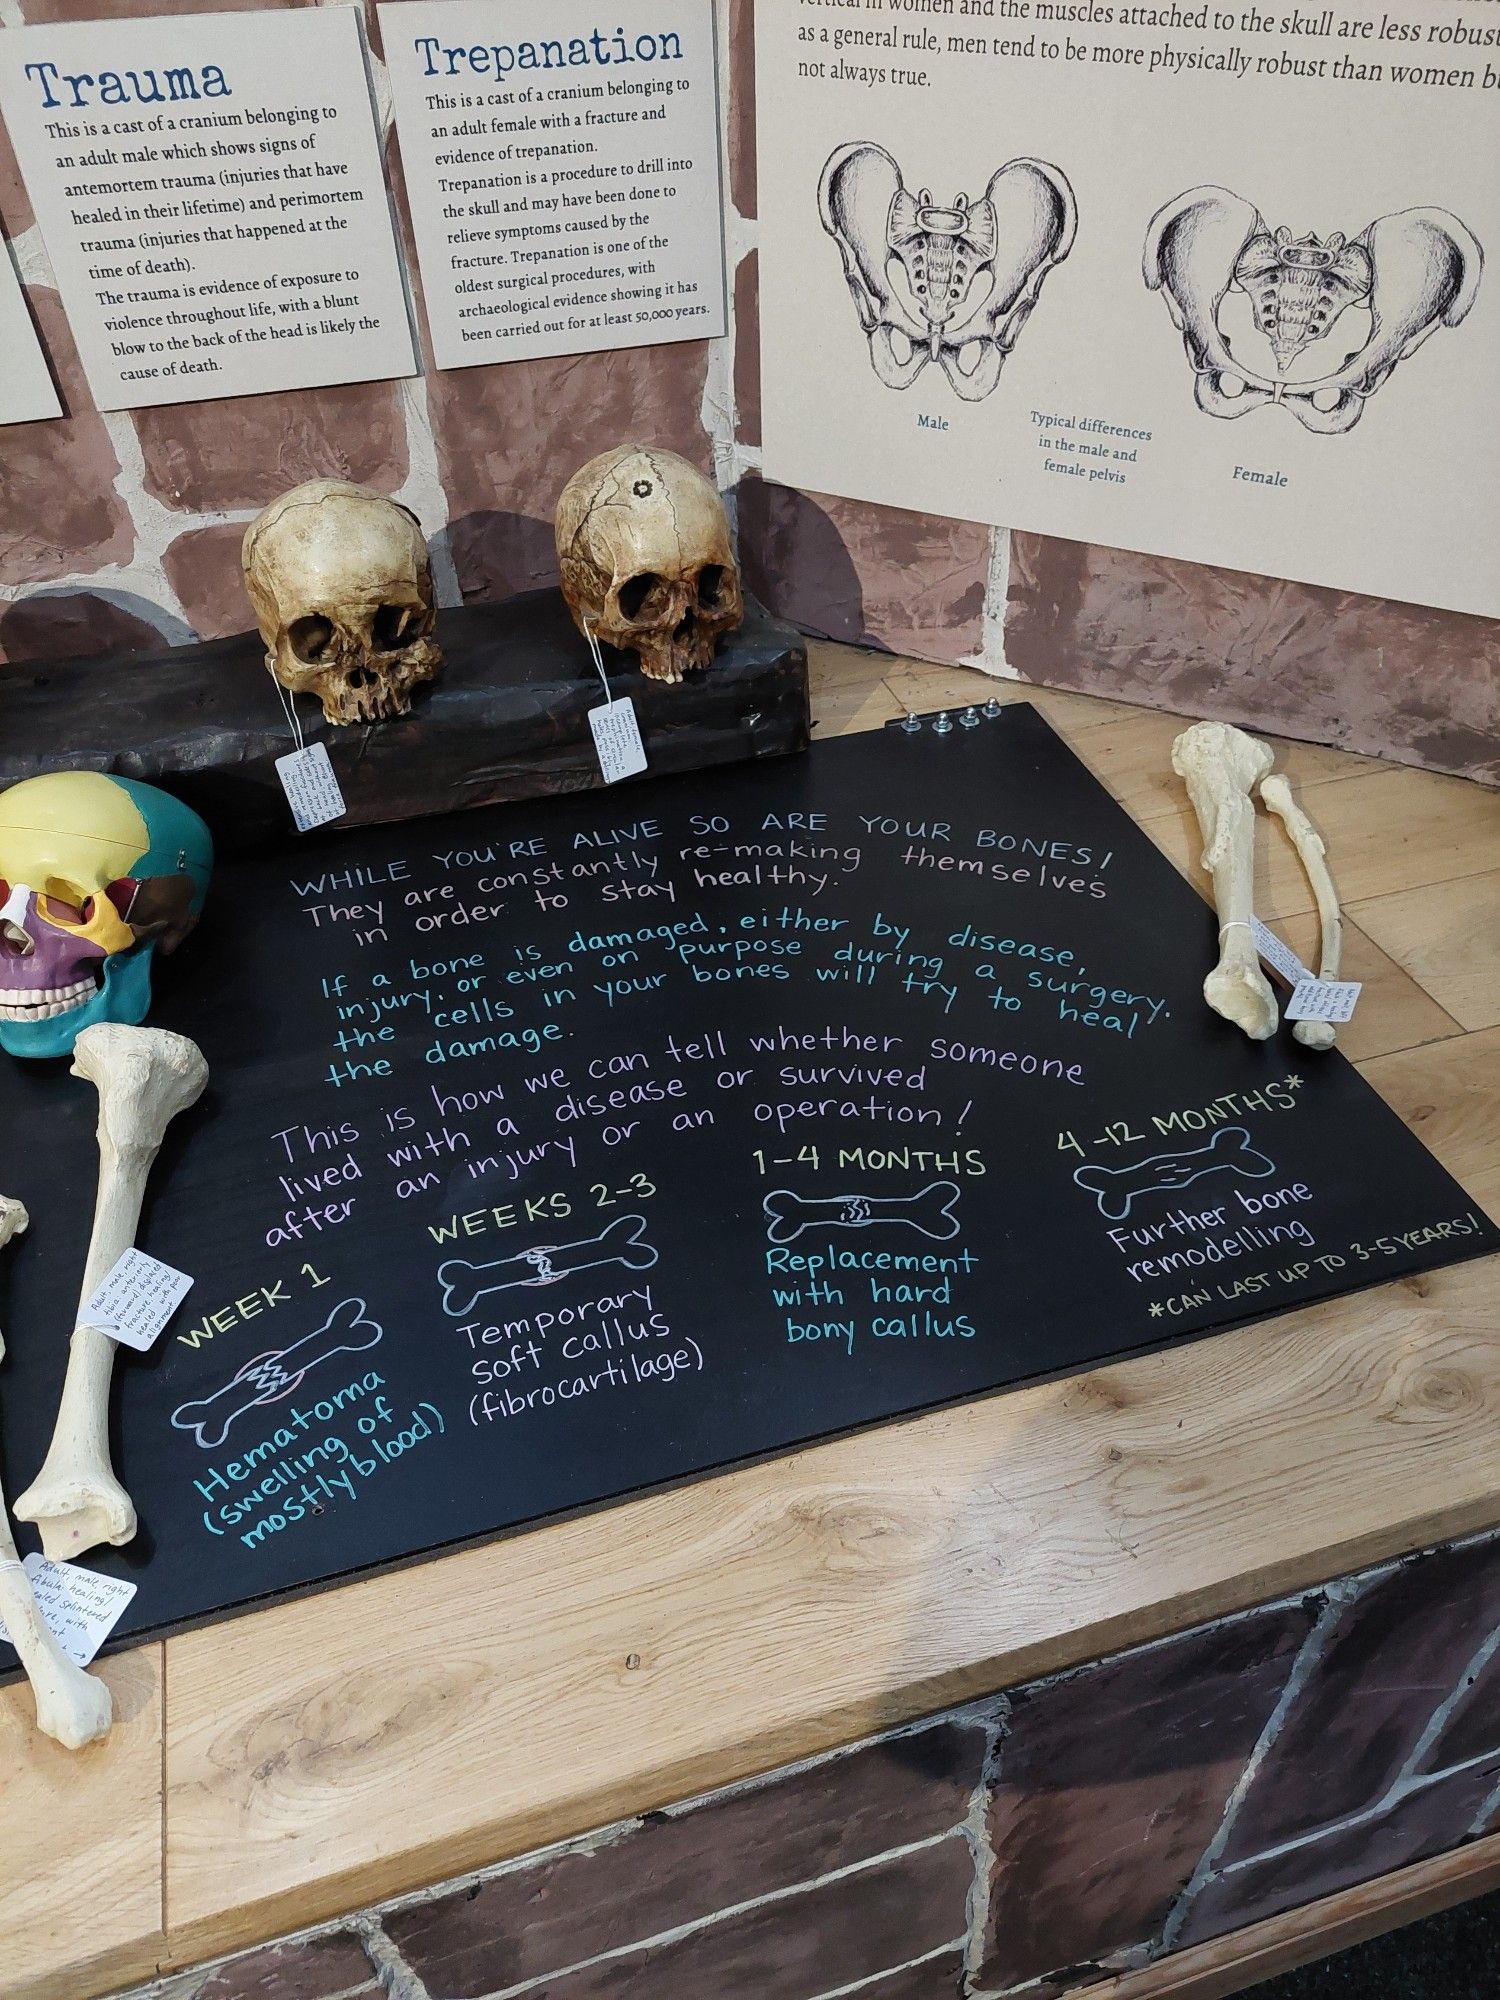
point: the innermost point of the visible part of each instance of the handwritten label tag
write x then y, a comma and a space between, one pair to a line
617, 739
1280, 957
312, 791
1324, 1000
80, 1607
136, 1300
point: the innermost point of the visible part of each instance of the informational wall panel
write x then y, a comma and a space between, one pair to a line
563, 174
26, 390
210, 190
553, 1152
1205, 281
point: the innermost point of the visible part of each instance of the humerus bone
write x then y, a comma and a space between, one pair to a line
1311, 851
144, 1077
71, 1706
1222, 766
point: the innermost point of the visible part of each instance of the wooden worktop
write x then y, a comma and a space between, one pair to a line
281, 1768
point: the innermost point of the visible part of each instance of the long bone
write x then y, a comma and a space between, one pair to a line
144, 1077
1222, 766
1312, 853
71, 1706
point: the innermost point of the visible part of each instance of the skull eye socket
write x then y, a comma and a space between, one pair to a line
310, 638
711, 585
396, 625
634, 593
66, 902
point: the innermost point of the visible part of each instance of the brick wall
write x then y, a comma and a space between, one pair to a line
118, 531
1099, 1819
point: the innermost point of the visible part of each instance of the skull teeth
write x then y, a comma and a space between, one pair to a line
43, 1005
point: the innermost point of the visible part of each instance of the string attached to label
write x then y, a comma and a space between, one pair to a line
289, 708
617, 732
306, 773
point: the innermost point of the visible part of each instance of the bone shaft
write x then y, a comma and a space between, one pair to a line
117, 1214
1308, 842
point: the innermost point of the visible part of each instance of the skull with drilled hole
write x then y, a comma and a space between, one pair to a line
342, 591
647, 565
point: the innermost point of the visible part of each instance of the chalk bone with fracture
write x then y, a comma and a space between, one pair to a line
1312, 853
1222, 767
71, 1706
144, 1077
647, 561
269, 1378
464, 1284
929, 1213
1118, 1189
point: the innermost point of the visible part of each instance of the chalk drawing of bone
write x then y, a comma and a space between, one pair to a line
464, 1285
1228, 1152
270, 1377
929, 1213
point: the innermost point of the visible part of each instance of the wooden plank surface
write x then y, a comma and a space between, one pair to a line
1449, 936
81, 1841
322, 1754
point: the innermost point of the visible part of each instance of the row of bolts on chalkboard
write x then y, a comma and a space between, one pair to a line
943, 723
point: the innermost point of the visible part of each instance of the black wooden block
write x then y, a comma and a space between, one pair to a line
508, 719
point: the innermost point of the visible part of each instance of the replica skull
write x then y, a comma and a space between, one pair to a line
950, 283
95, 873
342, 591
647, 565
1401, 278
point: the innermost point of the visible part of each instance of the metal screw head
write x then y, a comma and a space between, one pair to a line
970, 718
992, 708
912, 724
943, 726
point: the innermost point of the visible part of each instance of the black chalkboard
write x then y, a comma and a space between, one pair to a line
554, 1152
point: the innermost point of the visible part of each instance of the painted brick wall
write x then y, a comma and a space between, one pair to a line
117, 531
1097, 1820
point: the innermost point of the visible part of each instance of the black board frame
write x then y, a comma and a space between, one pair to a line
43, 1294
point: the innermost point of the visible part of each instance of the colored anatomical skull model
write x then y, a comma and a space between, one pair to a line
95, 873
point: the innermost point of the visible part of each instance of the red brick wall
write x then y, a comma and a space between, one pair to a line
118, 531
1097, 1820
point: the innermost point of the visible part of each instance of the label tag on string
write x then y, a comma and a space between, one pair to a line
617, 730
79, 1607
1280, 957
312, 791
136, 1300
1324, 1000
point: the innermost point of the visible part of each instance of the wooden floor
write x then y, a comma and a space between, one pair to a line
275, 1770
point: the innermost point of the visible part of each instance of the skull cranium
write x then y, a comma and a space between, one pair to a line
647, 563
342, 590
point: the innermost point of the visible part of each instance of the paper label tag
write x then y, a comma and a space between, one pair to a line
1324, 999
312, 791
80, 1607
617, 739
1279, 956
136, 1300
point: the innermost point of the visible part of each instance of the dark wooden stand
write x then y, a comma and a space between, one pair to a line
508, 719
